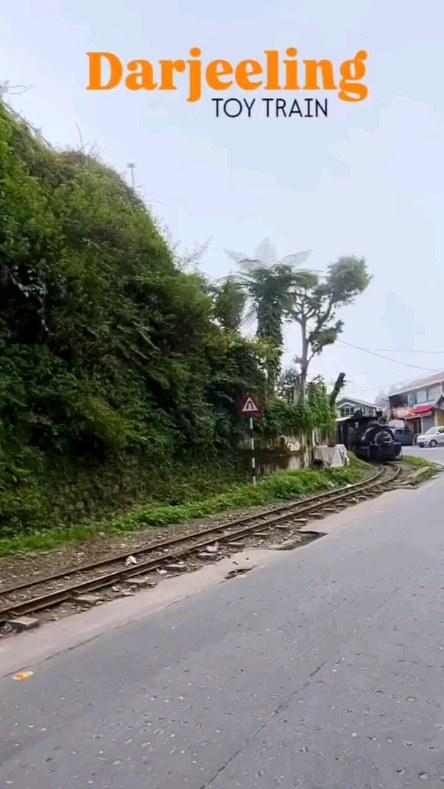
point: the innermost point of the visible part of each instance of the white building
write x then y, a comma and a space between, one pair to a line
346, 406
420, 402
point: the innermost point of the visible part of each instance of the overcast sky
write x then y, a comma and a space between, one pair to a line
367, 180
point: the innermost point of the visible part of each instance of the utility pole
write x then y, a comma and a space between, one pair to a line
131, 167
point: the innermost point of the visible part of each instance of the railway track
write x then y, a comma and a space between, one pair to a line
39, 594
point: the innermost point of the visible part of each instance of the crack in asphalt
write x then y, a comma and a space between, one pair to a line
280, 708
285, 704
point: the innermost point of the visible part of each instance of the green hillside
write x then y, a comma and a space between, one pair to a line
117, 383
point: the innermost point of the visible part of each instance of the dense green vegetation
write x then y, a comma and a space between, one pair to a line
121, 373
279, 486
115, 375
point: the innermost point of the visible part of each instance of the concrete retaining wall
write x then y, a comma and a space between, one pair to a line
285, 453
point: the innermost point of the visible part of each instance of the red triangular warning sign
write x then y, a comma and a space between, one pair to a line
249, 406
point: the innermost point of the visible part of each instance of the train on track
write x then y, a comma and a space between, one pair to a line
368, 437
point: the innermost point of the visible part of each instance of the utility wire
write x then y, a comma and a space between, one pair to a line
404, 350
387, 358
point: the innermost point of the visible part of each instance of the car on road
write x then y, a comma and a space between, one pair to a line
404, 436
433, 437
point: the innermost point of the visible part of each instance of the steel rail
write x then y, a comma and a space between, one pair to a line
160, 545
222, 532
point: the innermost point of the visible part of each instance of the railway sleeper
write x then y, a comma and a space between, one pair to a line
316, 507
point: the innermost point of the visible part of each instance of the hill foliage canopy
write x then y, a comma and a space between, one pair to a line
110, 352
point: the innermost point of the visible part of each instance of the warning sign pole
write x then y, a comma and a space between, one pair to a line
253, 456
251, 409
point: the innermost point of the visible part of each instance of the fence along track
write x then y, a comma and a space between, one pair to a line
181, 546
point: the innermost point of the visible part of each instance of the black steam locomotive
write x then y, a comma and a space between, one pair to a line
368, 437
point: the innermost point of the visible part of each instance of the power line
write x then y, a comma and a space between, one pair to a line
404, 350
387, 358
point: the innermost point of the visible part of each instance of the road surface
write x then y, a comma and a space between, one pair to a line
322, 669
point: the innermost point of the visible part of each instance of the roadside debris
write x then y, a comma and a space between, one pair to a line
212, 548
24, 623
178, 567
21, 675
87, 599
139, 583
238, 571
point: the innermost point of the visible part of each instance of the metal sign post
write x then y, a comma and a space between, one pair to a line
253, 457
251, 409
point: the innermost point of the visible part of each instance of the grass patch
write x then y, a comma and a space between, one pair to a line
425, 469
281, 486
417, 462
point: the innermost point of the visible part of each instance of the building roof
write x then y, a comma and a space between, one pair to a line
418, 383
354, 400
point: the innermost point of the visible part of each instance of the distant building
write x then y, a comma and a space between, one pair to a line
346, 406
419, 403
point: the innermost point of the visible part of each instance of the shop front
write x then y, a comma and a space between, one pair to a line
420, 418
426, 414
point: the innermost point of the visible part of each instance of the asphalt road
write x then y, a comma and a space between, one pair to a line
322, 670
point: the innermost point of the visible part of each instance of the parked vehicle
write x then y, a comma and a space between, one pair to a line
404, 436
433, 437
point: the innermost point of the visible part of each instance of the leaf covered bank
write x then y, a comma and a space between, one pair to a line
117, 382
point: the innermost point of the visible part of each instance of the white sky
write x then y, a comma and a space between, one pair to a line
367, 181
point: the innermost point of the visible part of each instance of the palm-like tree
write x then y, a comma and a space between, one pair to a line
268, 282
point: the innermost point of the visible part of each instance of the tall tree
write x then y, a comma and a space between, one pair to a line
268, 281
288, 385
314, 302
229, 302
337, 388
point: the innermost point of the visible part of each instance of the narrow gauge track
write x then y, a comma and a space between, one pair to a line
45, 592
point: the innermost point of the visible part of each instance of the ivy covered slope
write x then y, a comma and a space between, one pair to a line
117, 383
